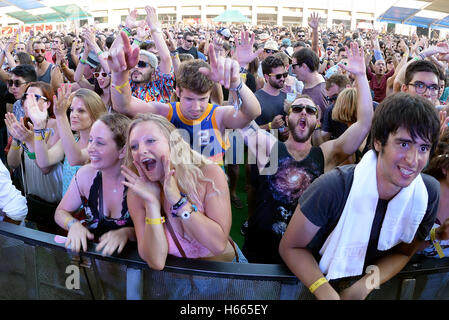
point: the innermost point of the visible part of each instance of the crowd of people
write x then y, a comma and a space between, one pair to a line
122, 135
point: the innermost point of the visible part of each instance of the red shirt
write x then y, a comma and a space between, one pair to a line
379, 87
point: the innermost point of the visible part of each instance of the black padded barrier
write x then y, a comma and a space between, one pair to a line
34, 266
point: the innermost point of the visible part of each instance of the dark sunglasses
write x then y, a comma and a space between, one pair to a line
39, 50
280, 75
189, 40
16, 83
330, 49
142, 64
309, 109
295, 64
38, 96
301, 35
103, 74
180, 37
332, 99
270, 51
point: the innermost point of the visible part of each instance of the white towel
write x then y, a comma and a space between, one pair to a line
343, 253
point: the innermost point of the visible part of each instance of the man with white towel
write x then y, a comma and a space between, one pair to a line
375, 213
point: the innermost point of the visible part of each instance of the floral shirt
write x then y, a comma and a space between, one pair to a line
160, 89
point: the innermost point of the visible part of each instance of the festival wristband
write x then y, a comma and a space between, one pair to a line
15, 147
160, 220
269, 125
38, 138
120, 86
317, 284
436, 243
82, 61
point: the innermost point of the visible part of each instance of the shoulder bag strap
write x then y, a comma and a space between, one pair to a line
174, 237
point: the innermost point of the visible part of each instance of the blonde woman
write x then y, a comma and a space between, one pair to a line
179, 201
85, 108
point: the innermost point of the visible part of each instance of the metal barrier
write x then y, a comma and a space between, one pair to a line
35, 266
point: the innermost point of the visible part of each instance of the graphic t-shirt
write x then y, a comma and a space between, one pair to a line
277, 198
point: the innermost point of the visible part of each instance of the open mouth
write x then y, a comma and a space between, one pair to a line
406, 173
149, 164
302, 124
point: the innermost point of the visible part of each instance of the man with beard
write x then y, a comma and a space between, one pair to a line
151, 80
273, 197
46, 71
270, 97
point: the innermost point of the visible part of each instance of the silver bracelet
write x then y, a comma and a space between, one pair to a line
239, 101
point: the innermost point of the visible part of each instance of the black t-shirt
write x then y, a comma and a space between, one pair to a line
250, 83
277, 198
324, 201
271, 106
193, 51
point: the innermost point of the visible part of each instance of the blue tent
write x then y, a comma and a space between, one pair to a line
426, 14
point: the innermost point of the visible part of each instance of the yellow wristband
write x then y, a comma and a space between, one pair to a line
38, 138
243, 76
269, 125
120, 86
317, 284
160, 220
67, 221
436, 243
15, 147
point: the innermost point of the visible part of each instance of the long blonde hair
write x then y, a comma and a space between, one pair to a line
186, 161
345, 109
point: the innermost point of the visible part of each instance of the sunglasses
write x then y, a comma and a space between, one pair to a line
180, 37
295, 64
142, 64
332, 99
280, 75
309, 109
39, 50
330, 49
190, 41
301, 35
38, 96
270, 51
16, 83
103, 74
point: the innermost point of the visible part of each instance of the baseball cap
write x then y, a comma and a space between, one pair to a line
224, 32
92, 59
286, 42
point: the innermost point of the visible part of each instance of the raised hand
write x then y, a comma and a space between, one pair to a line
222, 70
444, 121
244, 49
356, 60
123, 57
141, 32
149, 191
131, 19
151, 19
314, 21
171, 45
61, 102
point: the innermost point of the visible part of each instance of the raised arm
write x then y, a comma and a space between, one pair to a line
165, 64
74, 153
79, 72
314, 23
335, 151
227, 72
122, 58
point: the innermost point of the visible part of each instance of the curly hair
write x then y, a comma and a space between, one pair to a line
188, 77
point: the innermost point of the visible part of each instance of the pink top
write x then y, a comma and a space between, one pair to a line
192, 248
